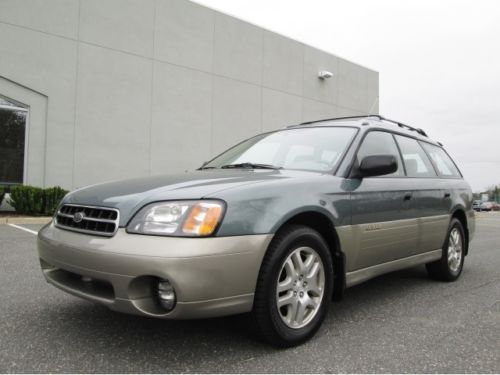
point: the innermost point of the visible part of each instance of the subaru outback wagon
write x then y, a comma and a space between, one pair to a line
278, 225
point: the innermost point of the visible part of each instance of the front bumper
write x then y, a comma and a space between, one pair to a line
211, 276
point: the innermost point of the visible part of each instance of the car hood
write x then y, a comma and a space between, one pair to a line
130, 195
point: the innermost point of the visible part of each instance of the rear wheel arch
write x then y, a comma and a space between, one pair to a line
459, 214
321, 223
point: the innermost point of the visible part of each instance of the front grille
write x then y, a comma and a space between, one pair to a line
101, 221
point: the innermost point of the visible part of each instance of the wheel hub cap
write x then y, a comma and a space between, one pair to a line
455, 250
300, 287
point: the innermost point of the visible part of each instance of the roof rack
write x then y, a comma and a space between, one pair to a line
381, 118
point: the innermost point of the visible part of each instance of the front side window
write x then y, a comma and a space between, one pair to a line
12, 141
417, 163
380, 143
441, 160
314, 149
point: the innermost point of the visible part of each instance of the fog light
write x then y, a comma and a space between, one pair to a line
166, 295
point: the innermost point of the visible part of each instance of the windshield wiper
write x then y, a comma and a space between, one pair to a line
250, 166
202, 168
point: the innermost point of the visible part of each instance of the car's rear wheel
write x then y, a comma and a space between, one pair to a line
450, 266
295, 285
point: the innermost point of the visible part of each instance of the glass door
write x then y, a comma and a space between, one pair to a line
13, 117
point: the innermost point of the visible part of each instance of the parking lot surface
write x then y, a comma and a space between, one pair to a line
401, 322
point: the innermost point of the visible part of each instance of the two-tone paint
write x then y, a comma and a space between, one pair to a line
374, 225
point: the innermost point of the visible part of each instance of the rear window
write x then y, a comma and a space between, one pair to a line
441, 161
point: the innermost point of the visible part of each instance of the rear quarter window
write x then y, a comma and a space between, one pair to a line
443, 163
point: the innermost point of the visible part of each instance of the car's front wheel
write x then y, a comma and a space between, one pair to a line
450, 266
295, 285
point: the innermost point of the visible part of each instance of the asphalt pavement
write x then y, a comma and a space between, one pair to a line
400, 322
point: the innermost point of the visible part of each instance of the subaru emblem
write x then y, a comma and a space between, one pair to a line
78, 217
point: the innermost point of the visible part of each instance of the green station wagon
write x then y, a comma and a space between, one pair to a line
278, 225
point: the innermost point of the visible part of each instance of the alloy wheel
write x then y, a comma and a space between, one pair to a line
454, 250
300, 287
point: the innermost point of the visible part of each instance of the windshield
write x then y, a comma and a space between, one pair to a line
314, 149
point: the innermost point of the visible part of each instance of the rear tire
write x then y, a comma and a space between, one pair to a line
450, 266
294, 288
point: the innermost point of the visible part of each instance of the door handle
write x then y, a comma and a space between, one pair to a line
407, 196
447, 195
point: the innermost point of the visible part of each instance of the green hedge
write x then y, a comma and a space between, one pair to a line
2, 193
33, 200
52, 197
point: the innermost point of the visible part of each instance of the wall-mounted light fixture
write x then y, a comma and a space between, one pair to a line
325, 74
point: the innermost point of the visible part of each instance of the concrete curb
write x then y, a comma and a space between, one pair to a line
25, 220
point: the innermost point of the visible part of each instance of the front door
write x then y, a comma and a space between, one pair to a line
384, 221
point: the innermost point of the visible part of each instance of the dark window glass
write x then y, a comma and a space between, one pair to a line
441, 160
380, 143
12, 137
416, 161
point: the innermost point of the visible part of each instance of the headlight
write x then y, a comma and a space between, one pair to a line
180, 218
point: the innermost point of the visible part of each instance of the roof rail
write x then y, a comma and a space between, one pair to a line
401, 125
334, 119
381, 118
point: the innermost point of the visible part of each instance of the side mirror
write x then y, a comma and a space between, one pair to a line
377, 165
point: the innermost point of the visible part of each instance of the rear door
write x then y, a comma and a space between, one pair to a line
383, 209
449, 181
431, 195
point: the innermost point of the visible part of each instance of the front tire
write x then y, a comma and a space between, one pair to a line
294, 288
450, 266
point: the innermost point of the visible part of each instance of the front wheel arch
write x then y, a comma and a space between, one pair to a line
323, 224
268, 324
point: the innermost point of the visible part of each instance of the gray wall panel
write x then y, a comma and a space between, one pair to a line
283, 68
238, 49
352, 81
182, 112
280, 109
314, 88
237, 112
36, 129
46, 64
314, 110
125, 25
113, 116
184, 34
372, 92
138, 87
59, 17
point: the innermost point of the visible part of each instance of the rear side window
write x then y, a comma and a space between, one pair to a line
380, 143
416, 162
441, 160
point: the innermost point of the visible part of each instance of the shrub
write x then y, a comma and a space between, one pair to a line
26, 199
52, 197
2, 193
33, 200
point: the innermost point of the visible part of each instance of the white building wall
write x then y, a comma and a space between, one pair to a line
137, 87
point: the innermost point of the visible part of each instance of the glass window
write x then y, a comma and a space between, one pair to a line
441, 160
315, 149
259, 153
12, 137
417, 163
380, 143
